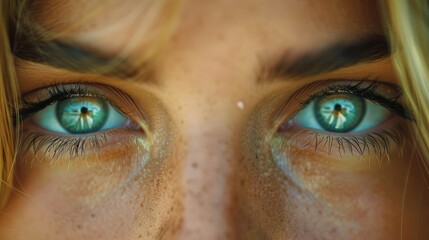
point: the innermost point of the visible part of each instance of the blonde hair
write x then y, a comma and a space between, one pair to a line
409, 34
9, 102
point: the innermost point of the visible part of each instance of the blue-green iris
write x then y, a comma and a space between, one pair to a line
340, 112
80, 115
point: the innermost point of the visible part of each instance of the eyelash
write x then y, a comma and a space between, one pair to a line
369, 92
58, 145
370, 143
74, 145
57, 93
375, 142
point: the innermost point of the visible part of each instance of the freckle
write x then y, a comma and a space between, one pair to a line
195, 165
92, 215
242, 182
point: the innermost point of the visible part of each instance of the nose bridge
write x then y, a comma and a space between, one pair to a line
208, 126
207, 86
206, 182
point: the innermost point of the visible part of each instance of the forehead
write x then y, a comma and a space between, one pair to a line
298, 22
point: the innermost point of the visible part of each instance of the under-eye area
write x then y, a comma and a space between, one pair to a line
344, 142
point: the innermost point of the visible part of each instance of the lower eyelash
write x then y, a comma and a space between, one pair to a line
56, 146
374, 143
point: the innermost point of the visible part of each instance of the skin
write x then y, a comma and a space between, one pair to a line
208, 171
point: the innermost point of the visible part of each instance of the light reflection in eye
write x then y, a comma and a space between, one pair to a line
339, 113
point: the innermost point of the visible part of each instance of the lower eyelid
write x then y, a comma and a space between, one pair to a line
44, 146
343, 151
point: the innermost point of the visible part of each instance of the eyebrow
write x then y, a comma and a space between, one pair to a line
72, 57
339, 55
76, 58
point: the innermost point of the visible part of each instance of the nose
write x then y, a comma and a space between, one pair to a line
203, 102
209, 123
206, 180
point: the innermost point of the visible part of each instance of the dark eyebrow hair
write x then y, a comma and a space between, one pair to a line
72, 57
336, 56
78, 59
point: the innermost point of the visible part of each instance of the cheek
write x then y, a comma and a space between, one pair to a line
314, 200
334, 203
115, 199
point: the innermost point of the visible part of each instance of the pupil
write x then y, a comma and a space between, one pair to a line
337, 107
84, 110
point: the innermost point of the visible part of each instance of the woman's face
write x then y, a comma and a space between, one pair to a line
222, 119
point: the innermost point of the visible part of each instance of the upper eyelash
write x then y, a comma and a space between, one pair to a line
368, 92
58, 93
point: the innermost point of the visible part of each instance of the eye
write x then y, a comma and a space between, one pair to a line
341, 113
79, 115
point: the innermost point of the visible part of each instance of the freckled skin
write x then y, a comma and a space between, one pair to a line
210, 172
